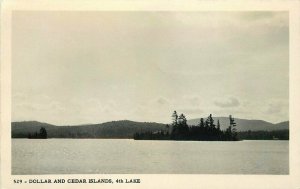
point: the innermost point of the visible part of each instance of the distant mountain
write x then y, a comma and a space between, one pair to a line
114, 129
246, 124
284, 124
126, 128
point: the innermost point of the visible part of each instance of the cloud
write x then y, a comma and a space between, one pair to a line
181, 61
162, 101
231, 102
191, 111
274, 109
192, 100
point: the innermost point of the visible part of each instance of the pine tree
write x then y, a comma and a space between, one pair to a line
206, 124
211, 122
175, 130
43, 133
182, 120
175, 119
201, 123
233, 128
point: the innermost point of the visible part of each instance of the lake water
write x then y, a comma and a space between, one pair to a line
101, 156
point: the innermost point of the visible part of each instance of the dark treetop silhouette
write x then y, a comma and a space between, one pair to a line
125, 129
36, 135
205, 131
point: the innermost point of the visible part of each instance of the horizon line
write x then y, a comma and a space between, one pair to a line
82, 124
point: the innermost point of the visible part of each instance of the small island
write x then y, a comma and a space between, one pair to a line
179, 130
209, 129
41, 135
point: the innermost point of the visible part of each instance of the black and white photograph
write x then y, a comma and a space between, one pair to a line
146, 92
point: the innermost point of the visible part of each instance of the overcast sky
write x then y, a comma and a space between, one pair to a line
91, 67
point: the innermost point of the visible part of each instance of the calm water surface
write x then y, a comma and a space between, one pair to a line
97, 156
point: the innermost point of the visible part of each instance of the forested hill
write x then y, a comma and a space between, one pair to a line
126, 129
246, 124
114, 129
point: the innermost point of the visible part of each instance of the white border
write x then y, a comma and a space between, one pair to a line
156, 180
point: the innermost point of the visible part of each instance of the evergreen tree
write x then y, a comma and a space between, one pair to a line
175, 130
201, 123
43, 133
183, 126
175, 119
211, 122
180, 130
233, 127
182, 120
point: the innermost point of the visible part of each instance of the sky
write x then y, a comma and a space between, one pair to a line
72, 68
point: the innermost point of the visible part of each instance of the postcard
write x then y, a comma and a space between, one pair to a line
150, 94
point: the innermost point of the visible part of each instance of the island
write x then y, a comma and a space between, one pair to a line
211, 128
205, 131
41, 135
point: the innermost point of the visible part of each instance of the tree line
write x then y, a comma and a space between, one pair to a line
206, 130
264, 135
41, 135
